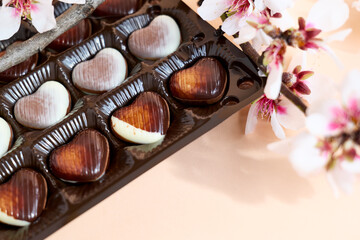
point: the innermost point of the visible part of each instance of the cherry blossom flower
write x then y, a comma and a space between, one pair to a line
332, 140
238, 12
39, 12
281, 112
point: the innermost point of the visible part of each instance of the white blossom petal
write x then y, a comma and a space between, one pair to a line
285, 22
232, 24
293, 118
277, 6
322, 88
341, 180
320, 116
9, 22
212, 9
246, 33
74, 1
305, 157
252, 120
261, 41
273, 84
356, 5
278, 130
351, 87
351, 166
328, 15
297, 59
259, 5
43, 16
339, 36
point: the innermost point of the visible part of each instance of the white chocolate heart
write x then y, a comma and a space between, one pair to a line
161, 38
46, 107
6, 136
106, 71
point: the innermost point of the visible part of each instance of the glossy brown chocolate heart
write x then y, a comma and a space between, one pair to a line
161, 38
23, 198
203, 83
18, 70
145, 121
118, 8
106, 71
73, 36
44, 108
84, 159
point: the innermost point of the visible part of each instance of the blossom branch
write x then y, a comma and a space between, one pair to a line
255, 57
19, 52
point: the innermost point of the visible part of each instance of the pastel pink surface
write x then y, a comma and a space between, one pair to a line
229, 186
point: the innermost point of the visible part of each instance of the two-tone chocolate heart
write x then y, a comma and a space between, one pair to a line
118, 8
6, 136
144, 121
22, 198
161, 38
106, 71
84, 159
73, 36
203, 83
18, 70
46, 107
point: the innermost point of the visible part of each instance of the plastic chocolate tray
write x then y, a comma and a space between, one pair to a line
66, 201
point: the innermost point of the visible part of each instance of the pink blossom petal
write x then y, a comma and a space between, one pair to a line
74, 1
278, 130
328, 15
252, 120
293, 119
232, 24
277, 6
246, 33
320, 118
212, 9
351, 87
305, 157
9, 22
43, 17
273, 85
341, 180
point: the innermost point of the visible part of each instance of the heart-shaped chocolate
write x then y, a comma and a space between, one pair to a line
84, 159
145, 121
106, 71
117, 8
18, 70
161, 38
22, 198
46, 107
6, 136
203, 83
73, 36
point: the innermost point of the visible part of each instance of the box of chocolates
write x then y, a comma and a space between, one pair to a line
112, 99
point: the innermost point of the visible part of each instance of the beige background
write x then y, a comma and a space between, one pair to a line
228, 186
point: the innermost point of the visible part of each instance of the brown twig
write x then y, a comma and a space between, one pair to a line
19, 52
254, 56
